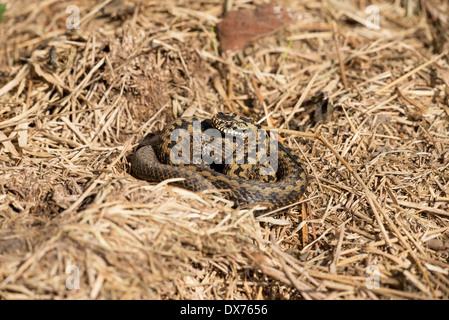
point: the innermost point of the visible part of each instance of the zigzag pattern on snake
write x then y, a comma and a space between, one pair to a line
152, 163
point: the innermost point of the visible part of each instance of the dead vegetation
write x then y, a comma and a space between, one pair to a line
379, 167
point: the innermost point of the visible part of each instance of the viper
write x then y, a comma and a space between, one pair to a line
239, 177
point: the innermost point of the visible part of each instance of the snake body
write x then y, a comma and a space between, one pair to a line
153, 163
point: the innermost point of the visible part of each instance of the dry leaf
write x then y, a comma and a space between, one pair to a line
243, 27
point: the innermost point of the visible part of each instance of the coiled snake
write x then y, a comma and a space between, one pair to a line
154, 162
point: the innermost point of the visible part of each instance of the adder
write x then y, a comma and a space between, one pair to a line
153, 162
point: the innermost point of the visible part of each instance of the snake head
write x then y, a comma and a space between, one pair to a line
232, 124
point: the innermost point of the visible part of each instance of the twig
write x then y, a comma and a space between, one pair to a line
408, 74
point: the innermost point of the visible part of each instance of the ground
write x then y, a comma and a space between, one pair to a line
373, 223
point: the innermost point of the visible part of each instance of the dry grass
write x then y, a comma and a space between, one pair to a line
379, 167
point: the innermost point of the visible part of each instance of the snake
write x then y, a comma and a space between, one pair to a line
157, 159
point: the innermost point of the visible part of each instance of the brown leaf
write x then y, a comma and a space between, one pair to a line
243, 27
